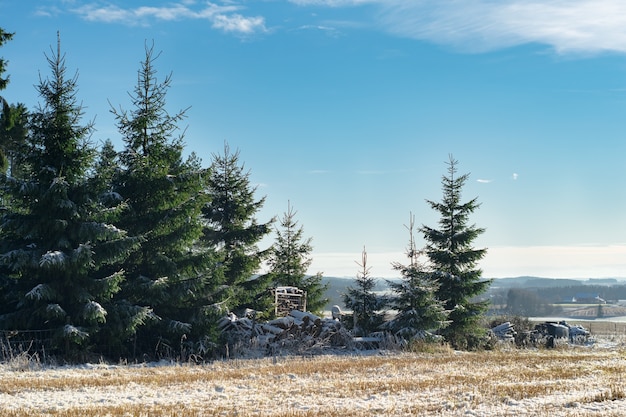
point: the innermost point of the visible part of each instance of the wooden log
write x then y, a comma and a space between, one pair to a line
302, 314
502, 327
268, 328
283, 322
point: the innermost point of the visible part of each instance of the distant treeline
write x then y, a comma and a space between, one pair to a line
564, 294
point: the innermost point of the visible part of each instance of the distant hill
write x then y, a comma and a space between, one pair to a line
538, 282
338, 285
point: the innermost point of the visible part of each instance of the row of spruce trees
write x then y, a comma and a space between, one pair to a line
140, 252
439, 293
135, 252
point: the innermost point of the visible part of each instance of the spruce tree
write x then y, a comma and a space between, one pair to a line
365, 304
169, 275
13, 133
232, 228
454, 260
58, 244
419, 310
13, 122
123, 319
5, 109
4, 38
290, 259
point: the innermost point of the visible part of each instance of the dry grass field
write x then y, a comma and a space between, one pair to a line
567, 381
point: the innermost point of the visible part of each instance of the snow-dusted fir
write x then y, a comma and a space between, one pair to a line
59, 246
232, 228
169, 275
366, 305
290, 259
450, 251
419, 311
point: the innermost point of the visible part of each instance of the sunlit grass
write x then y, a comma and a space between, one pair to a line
441, 383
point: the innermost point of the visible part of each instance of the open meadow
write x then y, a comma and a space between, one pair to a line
566, 381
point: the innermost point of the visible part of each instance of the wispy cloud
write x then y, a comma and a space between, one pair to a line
239, 23
227, 18
328, 30
372, 172
334, 3
582, 26
483, 181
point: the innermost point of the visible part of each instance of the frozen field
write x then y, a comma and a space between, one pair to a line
569, 381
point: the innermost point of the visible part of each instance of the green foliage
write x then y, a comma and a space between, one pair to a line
419, 309
454, 261
232, 228
170, 279
13, 138
58, 249
289, 261
4, 38
366, 305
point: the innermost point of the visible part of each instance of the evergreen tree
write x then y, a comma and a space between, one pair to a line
13, 121
454, 260
232, 228
4, 38
419, 309
290, 259
365, 304
169, 275
13, 139
123, 319
57, 242
5, 110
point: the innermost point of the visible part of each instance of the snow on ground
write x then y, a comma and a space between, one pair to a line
514, 382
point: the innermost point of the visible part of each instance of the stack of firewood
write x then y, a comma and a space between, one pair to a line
297, 331
505, 332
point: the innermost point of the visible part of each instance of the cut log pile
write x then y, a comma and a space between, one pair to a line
297, 332
505, 332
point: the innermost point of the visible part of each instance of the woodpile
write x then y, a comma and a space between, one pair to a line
298, 332
505, 332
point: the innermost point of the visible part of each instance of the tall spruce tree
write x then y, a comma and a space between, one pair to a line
5, 109
232, 228
13, 139
454, 260
169, 274
290, 260
366, 305
4, 38
13, 122
419, 309
57, 241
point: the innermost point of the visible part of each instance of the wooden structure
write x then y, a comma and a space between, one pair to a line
287, 299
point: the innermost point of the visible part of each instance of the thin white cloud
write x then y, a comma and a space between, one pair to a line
581, 26
328, 30
239, 23
483, 181
334, 3
515, 176
371, 172
223, 17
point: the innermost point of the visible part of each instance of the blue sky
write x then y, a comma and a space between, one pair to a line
349, 109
